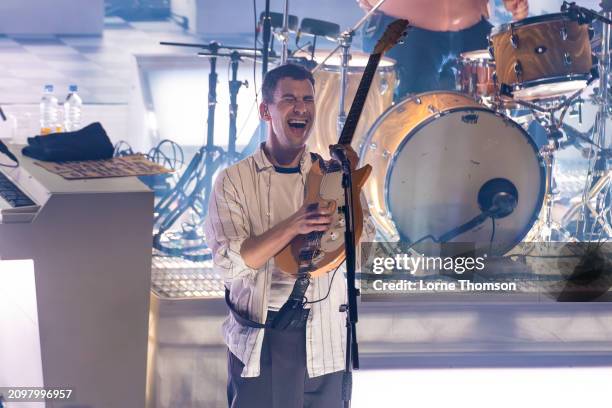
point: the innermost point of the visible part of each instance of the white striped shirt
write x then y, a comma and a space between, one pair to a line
240, 206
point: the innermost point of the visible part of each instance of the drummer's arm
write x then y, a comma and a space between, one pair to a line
518, 8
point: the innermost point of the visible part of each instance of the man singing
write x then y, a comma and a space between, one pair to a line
255, 210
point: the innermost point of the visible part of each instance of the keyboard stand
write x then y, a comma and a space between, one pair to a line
90, 242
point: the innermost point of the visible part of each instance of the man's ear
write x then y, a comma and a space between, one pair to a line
264, 112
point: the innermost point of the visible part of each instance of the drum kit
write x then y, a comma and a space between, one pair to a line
459, 165
442, 159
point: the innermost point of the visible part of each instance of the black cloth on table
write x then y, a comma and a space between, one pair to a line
89, 143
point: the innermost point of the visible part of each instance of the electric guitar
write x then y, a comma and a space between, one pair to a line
318, 253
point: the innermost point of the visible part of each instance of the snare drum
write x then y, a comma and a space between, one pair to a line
542, 57
327, 91
434, 155
475, 75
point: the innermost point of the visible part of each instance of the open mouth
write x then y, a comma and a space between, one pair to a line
297, 123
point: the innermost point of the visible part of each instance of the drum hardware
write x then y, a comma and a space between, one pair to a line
544, 111
514, 41
277, 20
433, 109
345, 41
266, 38
591, 206
191, 193
576, 109
318, 28
593, 210
284, 37
277, 24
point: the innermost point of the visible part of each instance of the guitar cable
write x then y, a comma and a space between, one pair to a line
307, 302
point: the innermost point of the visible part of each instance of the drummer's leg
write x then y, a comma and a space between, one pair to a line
472, 38
418, 59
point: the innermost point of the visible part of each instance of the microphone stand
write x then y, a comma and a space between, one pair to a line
267, 34
350, 308
234, 87
193, 189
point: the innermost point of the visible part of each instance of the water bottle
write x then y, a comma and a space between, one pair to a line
49, 112
72, 109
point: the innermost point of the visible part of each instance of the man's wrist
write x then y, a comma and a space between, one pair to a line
289, 228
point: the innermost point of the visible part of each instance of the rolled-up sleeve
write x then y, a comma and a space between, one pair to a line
226, 228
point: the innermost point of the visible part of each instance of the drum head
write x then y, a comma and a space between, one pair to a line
477, 55
437, 173
551, 88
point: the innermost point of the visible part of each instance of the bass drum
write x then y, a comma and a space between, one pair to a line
327, 91
434, 154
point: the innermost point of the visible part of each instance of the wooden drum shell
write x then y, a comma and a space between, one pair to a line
552, 48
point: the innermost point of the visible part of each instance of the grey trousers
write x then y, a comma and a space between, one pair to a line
283, 381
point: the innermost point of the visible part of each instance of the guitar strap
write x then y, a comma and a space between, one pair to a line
292, 315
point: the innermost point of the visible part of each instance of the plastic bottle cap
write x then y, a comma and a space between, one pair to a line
49, 88
73, 88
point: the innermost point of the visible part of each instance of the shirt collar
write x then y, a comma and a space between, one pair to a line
263, 163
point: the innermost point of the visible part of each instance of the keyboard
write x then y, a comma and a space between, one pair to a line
12, 194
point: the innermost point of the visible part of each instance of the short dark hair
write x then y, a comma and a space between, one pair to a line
272, 77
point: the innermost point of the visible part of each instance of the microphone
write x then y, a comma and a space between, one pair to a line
504, 204
3, 148
7, 152
497, 198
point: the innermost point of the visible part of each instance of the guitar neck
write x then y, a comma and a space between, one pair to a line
352, 120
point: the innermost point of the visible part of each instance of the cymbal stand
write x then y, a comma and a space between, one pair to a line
192, 191
345, 41
545, 114
285, 34
596, 197
594, 219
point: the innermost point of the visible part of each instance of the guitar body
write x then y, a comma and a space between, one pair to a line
325, 188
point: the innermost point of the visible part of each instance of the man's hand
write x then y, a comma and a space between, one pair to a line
257, 250
518, 8
351, 155
312, 217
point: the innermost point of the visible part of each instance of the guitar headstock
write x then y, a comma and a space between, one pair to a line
394, 33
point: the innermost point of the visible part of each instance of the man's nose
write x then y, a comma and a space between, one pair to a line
299, 106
